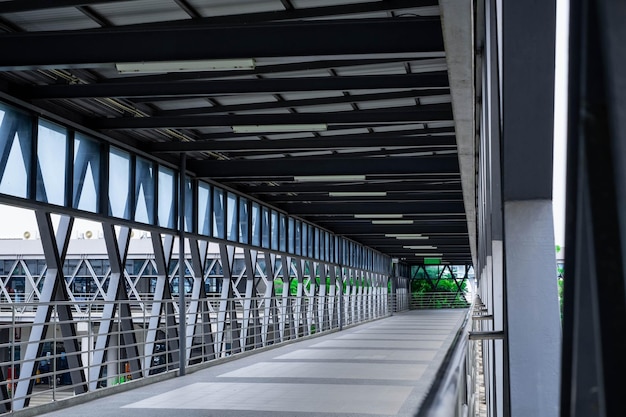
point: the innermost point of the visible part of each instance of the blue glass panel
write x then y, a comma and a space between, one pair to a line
310, 241
16, 147
305, 239
86, 183
218, 213
316, 243
167, 197
291, 236
51, 163
265, 228
243, 220
331, 248
204, 209
256, 224
283, 233
275, 230
231, 218
188, 205
144, 191
298, 239
119, 183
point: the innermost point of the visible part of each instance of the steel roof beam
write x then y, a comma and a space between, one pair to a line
59, 49
338, 142
443, 207
245, 86
340, 166
390, 197
336, 130
436, 112
453, 230
408, 186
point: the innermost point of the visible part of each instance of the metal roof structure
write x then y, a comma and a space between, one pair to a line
349, 114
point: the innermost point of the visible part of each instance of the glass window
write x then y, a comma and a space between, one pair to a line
204, 209
317, 243
218, 213
188, 205
16, 143
51, 163
331, 248
86, 183
305, 239
119, 183
283, 233
231, 218
256, 224
144, 191
298, 240
265, 228
275, 230
167, 197
243, 220
291, 235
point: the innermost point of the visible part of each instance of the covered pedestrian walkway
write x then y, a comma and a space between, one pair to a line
381, 368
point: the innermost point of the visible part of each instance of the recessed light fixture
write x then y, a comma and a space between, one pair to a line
378, 216
357, 194
420, 247
280, 128
328, 178
392, 221
185, 66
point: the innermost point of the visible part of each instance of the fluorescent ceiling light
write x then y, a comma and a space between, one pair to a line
429, 254
420, 247
411, 237
357, 194
378, 216
328, 178
403, 235
280, 128
392, 221
185, 66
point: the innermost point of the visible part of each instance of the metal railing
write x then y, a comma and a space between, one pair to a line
454, 394
100, 344
430, 300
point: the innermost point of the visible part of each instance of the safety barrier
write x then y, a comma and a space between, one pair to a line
84, 346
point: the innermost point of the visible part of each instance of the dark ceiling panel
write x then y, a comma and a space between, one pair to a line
247, 86
372, 207
344, 166
435, 112
198, 42
299, 144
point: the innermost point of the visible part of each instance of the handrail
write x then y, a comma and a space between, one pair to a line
443, 398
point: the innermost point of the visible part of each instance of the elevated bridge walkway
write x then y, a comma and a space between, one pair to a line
381, 368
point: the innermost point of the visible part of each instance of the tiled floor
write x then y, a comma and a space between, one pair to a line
383, 368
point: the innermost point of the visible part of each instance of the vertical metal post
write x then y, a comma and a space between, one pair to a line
341, 289
182, 315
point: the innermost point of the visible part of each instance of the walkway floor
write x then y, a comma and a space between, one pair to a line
382, 368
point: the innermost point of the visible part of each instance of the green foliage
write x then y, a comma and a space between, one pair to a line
421, 286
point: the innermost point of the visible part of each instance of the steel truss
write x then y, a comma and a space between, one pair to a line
127, 328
